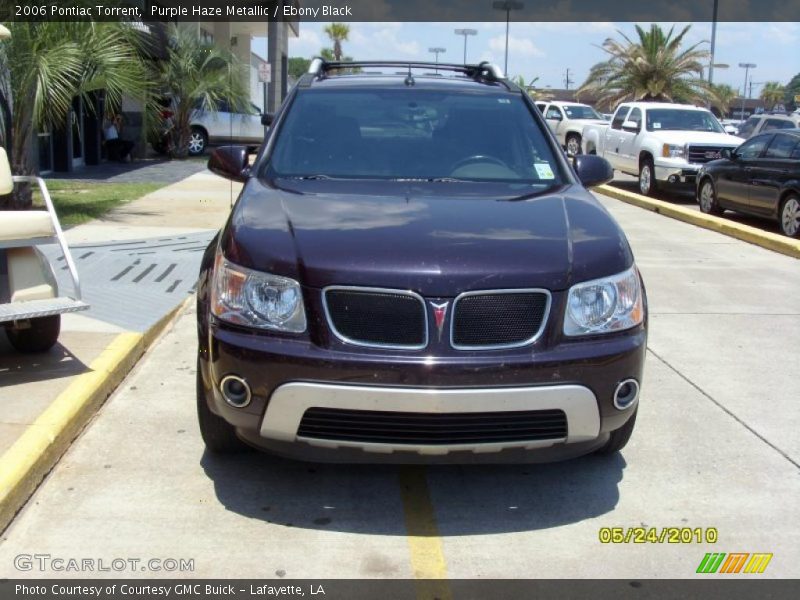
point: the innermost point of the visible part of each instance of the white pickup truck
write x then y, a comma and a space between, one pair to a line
567, 120
659, 142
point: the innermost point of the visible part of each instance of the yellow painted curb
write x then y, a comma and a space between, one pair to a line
753, 235
38, 449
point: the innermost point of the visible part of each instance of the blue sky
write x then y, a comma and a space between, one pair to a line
546, 50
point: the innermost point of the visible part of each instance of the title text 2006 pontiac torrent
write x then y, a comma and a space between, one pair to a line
414, 272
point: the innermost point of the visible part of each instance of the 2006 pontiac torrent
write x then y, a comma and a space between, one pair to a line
414, 271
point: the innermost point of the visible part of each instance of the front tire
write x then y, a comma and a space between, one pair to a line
198, 140
707, 199
647, 178
619, 437
39, 337
574, 144
218, 435
790, 216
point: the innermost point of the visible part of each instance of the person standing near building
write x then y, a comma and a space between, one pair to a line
117, 148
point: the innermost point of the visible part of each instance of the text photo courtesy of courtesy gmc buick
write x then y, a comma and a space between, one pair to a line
414, 271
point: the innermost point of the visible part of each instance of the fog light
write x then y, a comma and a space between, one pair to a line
673, 179
235, 391
626, 394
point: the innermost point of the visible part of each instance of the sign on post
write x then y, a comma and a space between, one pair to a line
265, 72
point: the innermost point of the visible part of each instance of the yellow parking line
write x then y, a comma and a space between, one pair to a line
424, 544
38, 449
753, 235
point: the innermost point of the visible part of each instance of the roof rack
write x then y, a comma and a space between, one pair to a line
485, 70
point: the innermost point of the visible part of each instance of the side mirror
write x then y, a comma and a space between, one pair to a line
230, 162
593, 170
726, 153
556, 117
630, 126
6, 181
267, 119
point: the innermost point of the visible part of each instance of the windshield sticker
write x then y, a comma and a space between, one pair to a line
544, 171
656, 125
504, 101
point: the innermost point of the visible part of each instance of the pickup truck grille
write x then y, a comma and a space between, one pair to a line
387, 427
704, 154
376, 317
499, 319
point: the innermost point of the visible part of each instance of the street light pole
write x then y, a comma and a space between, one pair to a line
746, 67
466, 33
508, 6
713, 42
436, 51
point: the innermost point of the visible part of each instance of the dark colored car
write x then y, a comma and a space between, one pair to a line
414, 271
761, 177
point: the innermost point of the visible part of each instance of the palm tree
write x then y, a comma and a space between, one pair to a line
197, 75
45, 65
725, 95
338, 33
531, 89
772, 93
652, 68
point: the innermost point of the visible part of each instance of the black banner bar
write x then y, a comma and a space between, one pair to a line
399, 10
710, 587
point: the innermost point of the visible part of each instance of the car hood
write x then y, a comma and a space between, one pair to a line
438, 239
711, 138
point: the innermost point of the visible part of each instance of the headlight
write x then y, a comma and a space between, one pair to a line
256, 299
604, 305
673, 151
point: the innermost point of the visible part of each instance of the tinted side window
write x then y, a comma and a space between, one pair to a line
781, 146
619, 117
636, 117
777, 124
752, 148
749, 127
540, 106
553, 113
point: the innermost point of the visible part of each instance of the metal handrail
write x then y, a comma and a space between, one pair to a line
56, 227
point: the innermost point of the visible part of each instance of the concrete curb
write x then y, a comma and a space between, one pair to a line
765, 239
25, 464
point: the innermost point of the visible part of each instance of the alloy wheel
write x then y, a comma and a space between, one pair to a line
790, 217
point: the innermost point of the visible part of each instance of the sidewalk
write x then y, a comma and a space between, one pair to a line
175, 223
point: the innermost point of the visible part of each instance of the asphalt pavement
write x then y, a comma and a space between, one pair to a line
715, 447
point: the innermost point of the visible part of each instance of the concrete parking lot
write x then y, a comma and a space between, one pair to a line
716, 446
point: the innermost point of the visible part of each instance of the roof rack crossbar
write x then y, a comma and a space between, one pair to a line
320, 66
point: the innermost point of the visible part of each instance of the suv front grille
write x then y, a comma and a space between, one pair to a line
377, 317
388, 427
499, 319
704, 154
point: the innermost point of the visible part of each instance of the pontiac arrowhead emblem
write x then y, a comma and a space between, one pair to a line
439, 312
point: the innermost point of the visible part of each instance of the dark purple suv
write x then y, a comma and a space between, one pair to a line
414, 271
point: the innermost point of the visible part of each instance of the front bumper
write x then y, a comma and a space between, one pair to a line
672, 171
289, 375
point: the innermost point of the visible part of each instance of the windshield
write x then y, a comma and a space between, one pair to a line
582, 112
675, 119
412, 134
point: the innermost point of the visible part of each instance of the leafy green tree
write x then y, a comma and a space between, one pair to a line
45, 65
653, 67
338, 33
298, 66
772, 93
725, 95
197, 75
792, 89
